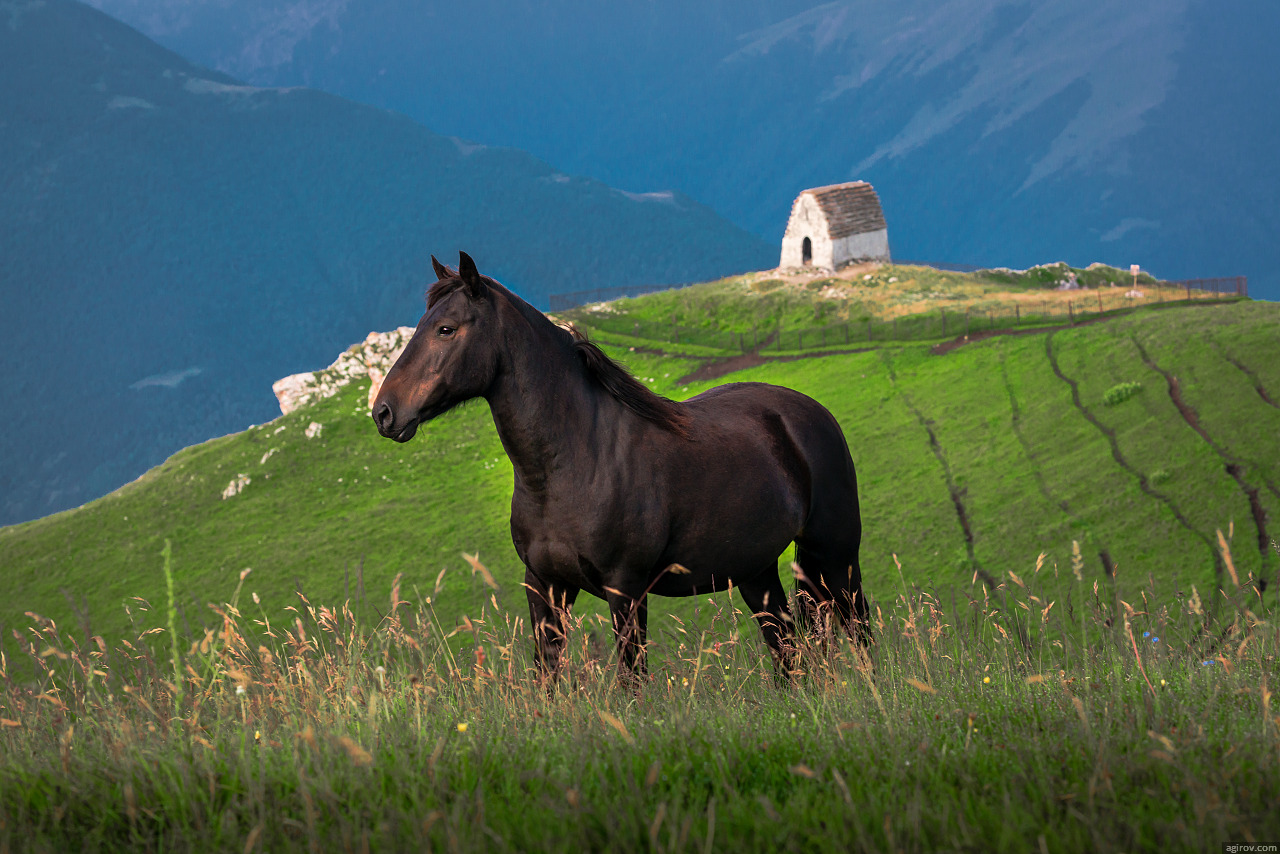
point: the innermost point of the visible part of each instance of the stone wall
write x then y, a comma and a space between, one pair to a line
868, 246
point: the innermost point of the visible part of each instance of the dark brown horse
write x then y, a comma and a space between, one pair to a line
621, 492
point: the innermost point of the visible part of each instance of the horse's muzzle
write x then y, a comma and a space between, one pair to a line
385, 418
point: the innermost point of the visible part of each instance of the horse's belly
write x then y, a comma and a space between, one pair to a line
735, 531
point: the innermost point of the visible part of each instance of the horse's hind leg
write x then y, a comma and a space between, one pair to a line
810, 593
831, 574
768, 603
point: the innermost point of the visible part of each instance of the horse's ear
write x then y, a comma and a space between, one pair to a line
442, 272
470, 276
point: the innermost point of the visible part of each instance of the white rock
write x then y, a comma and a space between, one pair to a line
236, 486
371, 358
313, 429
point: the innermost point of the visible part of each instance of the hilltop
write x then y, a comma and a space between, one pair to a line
1119, 449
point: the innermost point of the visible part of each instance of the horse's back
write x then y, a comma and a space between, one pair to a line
788, 425
743, 405
749, 395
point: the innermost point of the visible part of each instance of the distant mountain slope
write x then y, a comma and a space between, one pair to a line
172, 241
997, 131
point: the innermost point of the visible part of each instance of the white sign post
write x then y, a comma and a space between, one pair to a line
1133, 268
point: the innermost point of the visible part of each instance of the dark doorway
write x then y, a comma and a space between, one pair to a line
806, 251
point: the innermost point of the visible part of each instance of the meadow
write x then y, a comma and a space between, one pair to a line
1115, 719
1066, 546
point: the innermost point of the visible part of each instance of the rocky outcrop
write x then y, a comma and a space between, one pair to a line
371, 358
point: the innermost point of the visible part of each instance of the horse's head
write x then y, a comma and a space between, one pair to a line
450, 358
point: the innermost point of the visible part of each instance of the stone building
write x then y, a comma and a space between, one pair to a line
836, 225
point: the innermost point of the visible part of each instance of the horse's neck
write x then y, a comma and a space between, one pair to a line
543, 405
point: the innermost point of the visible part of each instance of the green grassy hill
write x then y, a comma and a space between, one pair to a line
970, 462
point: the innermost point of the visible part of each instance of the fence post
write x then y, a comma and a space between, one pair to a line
869, 330
1188, 292
944, 322
966, 323
1017, 315
1099, 300
1071, 313
755, 339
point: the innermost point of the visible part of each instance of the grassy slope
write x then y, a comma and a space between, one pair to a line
1031, 470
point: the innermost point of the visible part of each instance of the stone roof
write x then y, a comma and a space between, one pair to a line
852, 208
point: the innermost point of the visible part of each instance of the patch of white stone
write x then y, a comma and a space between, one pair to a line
371, 358
236, 486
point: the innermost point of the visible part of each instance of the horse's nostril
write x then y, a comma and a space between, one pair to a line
382, 416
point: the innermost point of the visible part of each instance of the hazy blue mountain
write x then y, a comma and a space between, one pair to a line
996, 131
172, 241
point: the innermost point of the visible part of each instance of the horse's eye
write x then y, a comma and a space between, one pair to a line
445, 331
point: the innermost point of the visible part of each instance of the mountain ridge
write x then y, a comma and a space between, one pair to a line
998, 132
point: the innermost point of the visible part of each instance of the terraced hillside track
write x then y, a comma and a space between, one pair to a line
1232, 464
1250, 373
935, 447
1144, 481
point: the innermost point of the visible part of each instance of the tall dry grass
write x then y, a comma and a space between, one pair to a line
1042, 710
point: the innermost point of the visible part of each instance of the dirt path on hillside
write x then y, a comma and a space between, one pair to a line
713, 369
716, 368
955, 343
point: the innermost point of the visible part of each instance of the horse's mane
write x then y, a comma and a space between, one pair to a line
443, 288
613, 378
628, 390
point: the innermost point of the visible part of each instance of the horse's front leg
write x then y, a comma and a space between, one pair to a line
549, 606
630, 612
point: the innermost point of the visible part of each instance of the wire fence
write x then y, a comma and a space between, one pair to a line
1221, 286
923, 326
